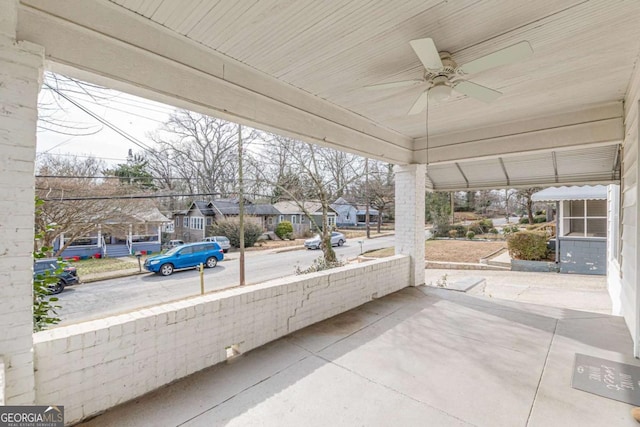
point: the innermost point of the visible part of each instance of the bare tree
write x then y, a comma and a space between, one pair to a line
314, 168
379, 191
61, 179
201, 150
524, 199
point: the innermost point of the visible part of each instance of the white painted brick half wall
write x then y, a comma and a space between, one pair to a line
95, 365
20, 75
410, 217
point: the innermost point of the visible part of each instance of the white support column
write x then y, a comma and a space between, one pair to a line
21, 67
410, 217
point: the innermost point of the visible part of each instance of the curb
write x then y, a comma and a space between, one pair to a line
289, 249
89, 279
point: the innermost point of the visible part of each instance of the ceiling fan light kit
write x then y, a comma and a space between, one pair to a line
443, 75
440, 90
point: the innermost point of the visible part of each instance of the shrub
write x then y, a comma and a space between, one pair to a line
493, 230
231, 229
319, 264
486, 225
526, 245
283, 229
539, 219
470, 235
453, 233
524, 220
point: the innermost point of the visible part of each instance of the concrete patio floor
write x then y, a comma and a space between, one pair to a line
419, 357
572, 291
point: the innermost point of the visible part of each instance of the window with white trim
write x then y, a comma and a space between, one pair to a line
294, 219
614, 222
584, 218
331, 220
185, 222
197, 222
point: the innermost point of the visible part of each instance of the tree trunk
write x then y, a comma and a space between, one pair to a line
327, 249
530, 210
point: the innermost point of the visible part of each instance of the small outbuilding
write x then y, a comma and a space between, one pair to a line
581, 227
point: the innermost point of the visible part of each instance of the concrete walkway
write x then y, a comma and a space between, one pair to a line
419, 357
572, 291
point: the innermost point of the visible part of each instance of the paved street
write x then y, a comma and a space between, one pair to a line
108, 297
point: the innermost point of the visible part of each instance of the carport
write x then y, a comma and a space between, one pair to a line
567, 113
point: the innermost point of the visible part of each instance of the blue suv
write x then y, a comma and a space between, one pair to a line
185, 256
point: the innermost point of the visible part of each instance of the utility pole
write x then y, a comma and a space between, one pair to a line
366, 195
453, 214
241, 201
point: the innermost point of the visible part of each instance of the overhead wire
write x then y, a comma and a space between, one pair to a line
100, 119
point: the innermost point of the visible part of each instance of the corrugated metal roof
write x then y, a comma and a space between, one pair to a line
593, 165
585, 192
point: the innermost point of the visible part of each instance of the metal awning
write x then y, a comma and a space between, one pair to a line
585, 192
584, 165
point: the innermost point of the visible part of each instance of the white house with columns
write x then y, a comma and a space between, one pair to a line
565, 112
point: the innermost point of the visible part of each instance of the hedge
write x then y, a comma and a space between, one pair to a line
527, 245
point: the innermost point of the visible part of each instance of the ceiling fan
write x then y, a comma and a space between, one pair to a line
442, 74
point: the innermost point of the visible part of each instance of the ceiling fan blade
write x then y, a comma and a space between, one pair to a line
391, 85
428, 53
420, 104
476, 91
505, 56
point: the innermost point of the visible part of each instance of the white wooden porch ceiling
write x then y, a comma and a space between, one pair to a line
300, 66
584, 51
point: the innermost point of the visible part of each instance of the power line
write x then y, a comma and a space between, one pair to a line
131, 197
101, 120
132, 177
82, 156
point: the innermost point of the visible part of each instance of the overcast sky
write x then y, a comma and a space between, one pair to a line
135, 116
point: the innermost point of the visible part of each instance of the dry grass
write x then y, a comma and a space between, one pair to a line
102, 265
451, 250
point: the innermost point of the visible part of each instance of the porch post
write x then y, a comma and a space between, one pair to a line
410, 217
21, 65
99, 235
160, 234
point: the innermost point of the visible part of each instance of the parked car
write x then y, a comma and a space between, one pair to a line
185, 256
66, 275
172, 244
223, 241
337, 239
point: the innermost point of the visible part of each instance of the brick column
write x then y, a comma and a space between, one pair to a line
410, 199
20, 78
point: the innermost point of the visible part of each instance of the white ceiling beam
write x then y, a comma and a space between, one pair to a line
600, 133
105, 43
598, 125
